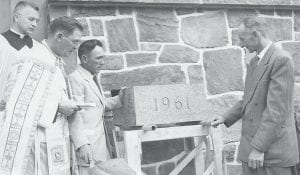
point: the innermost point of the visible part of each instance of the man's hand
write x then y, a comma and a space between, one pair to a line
256, 159
85, 154
68, 107
217, 120
121, 94
2, 105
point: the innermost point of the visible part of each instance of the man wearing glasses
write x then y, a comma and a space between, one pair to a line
63, 39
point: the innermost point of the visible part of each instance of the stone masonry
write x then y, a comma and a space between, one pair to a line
148, 45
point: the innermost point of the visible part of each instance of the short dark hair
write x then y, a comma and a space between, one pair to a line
65, 24
87, 46
22, 4
256, 23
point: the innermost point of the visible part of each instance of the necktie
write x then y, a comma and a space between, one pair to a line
254, 64
95, 78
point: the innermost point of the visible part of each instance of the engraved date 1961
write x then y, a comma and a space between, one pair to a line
165, 103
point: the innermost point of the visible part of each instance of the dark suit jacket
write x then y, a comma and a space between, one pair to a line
267, 110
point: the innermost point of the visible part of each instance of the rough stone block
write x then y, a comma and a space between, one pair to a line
166, 168
279, 29
297, 20
204, 31
121, 35
269, 12
178, 54
97, 27
113, 62
56, 11
150, 47
236, 16
155, 75
283, 12
297, 36
149, 169
84, 11
195, 74
294, 49
85, 26
162, 150
125, 10
163, 104
223, 70
140, 59
157, 25
184, 11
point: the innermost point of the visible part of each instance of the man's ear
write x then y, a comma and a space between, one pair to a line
84, 58
58, 36
256, 33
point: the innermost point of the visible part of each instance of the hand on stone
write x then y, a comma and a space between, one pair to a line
2, 105
68, 107
217, 120
256, 159
85, 154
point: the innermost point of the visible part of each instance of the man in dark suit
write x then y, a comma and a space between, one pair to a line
268, 144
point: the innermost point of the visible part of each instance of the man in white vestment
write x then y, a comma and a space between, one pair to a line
16, 42
63, 39
87, 128
43, 128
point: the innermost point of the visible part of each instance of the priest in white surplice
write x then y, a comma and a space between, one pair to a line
16, 42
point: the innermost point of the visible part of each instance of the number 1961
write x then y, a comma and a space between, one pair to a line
165, 103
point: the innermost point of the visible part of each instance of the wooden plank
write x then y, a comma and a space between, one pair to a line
173, 133
133, 150
216, 135
210, 169
187, 160
199, 159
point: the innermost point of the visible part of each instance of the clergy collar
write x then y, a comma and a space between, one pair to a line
16, 42
20, 34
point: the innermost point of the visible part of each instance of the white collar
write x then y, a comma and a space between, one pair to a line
20, 34
264, 51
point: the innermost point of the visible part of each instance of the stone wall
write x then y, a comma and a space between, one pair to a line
150, 45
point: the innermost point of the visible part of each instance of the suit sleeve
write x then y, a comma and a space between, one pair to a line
76, 125
112, 103
234, 114
278, 101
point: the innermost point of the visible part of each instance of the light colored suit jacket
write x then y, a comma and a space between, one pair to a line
267, 110
87, 126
